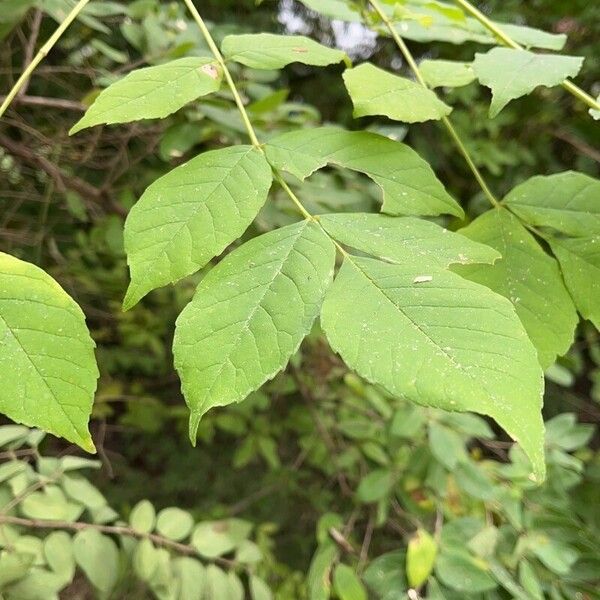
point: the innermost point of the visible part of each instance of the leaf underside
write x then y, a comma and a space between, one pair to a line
48, 370
378, 92
409, 184
249, 316
529, 278
270, 51
189, 216
511, 73
567, 202
153, 92
440, 341
403, 240
579, 260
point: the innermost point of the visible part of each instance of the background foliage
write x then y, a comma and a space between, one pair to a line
319, 470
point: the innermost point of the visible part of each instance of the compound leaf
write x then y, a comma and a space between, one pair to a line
409, 184
190, 215
271, 51
250, 314
529, 278
567, 202
48, 370
402, 239
153, 92
511, 73
378, 92
396, 325
579, 260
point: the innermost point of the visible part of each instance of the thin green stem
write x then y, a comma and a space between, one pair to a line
281, 181
242, 110
469, 160
219, 57
406, 53
43, 51
508, 41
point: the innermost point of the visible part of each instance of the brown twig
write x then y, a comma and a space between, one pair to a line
61, 179
48, 102
108, 529
30, 48
578, 144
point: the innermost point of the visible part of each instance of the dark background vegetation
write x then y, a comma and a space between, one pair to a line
63, 201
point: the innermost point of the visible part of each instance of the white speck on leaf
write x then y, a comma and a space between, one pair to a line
422, 279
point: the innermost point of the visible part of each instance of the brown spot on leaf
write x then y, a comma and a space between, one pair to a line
210, 70
300, 50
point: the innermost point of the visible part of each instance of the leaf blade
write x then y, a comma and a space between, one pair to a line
409, 184
406, 324
166, 241
567, 202
511, 73
529, 278
400, 239
378, 92
153, 92
244, 332
271, 51
46, 354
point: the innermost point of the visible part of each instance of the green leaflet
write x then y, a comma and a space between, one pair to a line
249, 315
579, 260
445, 26
529, 278
378, 92
271, 51
190, 215
402, 240
511, 73
48, 371
446, 73
568, 202
396, 325
409, 184
153, 92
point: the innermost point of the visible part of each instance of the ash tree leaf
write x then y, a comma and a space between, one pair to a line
153, 92
378, 92
409, 184
567, 202
579, 260
447, 73
529, 278
402, 239
191, 214
271, 51
511, 73
48, 371
432, 337
249, 316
